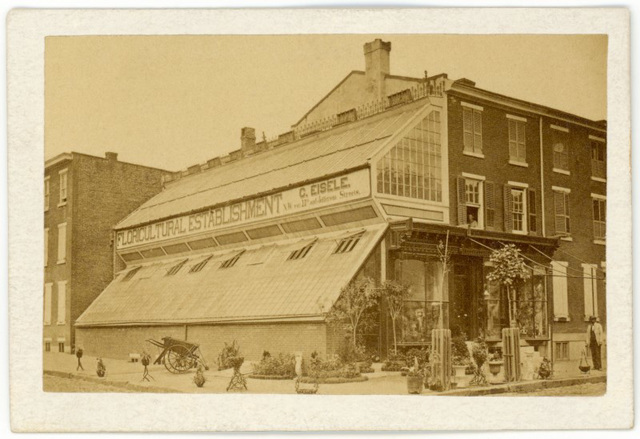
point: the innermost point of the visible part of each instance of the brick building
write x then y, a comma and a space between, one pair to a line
84, 197
255, 246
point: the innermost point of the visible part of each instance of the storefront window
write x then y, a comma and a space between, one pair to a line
427, 303
531, 300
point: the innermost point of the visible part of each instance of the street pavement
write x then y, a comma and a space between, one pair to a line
127, 376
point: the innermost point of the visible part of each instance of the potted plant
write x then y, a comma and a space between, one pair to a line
495, 363
460, 356
480, 354
415, 379
199, 378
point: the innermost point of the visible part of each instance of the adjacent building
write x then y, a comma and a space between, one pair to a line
257, 245
84, 197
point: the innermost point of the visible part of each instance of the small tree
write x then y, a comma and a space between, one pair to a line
509, 270
395, 294
445, 258
354, 300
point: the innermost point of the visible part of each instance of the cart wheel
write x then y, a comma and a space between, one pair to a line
178, 359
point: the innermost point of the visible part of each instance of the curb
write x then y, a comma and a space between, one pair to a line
526, 386
104, 381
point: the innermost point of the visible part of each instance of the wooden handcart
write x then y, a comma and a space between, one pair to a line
178, 356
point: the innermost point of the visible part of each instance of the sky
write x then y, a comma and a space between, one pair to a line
173, 101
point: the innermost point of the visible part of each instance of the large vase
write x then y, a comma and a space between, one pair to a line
414, 383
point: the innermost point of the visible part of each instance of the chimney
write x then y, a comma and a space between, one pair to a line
248, 139
376, 60
111, 156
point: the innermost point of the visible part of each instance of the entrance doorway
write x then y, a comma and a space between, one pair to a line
468, 284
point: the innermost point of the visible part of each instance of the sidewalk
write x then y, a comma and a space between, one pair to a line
128, 376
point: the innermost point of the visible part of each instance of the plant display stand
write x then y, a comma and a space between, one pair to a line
238, 381
441, 359
511, 354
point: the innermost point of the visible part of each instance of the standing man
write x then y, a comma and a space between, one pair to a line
594, 341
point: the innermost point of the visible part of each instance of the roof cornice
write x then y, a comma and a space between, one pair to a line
58, 159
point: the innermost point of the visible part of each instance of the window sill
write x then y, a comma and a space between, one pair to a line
586, 319
519, 232
473, 154
562, 319
567, 238
62, 204
600, 241
516, 163
561, 171
64, 261
61, 324
46, 209
601, 180
46, 324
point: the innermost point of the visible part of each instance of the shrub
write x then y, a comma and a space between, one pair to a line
283, 365
332, 367
228, 351
459, 351
421, 354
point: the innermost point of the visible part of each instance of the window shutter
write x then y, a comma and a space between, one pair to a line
508, 208
467, 124
47, 304
560, 296
462, 208
590, 291
532, 207
62, 302
490, 204
477, 131
558, 204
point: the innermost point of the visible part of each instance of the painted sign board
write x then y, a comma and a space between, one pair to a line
324, 193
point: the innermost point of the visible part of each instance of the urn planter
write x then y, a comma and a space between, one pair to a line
414, 383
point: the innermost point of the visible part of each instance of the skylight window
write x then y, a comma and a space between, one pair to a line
130, 274
173, 270
200, 265
231, 262
347, 244
301, 252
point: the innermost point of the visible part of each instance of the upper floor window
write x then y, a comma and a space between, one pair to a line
63, 186
472, 128
517, 140
47, 193
561, 209
413, 167
598, 157
599, 216
560, 142
62, 243
520, 208
46, 246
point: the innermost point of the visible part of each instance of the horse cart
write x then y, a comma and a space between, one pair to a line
178, 356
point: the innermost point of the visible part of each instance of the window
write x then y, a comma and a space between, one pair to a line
590, 290
562, 350
301, 252
518, 210
561, 208
200, 265
46, 246
62, 243
62, 302
47, 303
560, 142
47, 193
47, 346
598, 158
347, 244
599, 217
560, 292
61, 347
130, 274
413, 167
63, 187
231, 262
427, 299
472, 128
174, 270
531, 305
471, 199
517, 141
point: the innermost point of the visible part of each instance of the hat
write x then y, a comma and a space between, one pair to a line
593, 318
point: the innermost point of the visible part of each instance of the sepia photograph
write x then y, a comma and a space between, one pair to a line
326, 213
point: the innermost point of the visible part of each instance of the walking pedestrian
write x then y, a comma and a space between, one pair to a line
79, 356
594, 341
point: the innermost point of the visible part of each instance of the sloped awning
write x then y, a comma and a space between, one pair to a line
272, 282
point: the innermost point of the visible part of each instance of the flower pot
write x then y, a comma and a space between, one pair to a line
494, 367
459, 370
414, 383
